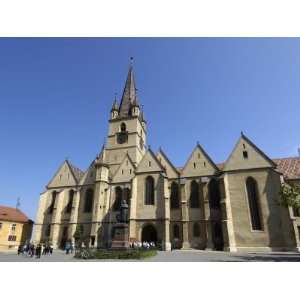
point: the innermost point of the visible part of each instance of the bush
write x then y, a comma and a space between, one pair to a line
114, 254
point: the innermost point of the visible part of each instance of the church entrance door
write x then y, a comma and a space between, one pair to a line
149, 234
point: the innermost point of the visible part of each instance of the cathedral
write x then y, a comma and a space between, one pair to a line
230, 206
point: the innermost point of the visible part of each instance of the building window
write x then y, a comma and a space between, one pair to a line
51, 207
70, 202
174, 195
245, 154
194, 197
253, 201
89, 199
176, 231
296, 211
196, 230
123, 127
214, 194
48, 230
149, 191
13, 227
127, 195
65, 232
118, 198
12, 238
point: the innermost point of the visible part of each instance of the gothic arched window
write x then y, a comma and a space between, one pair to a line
48, 230
174, 198
194, 197
122, 136
127, 195
70, 201
253, 200
88, 201
196, 230
214, 194
176, 231
149, 191
123, 127
51, 207
118, 198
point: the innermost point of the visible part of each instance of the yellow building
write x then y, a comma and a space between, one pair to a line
15, 228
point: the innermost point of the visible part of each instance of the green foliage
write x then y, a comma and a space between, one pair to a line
290, 195
78, 232
115, 254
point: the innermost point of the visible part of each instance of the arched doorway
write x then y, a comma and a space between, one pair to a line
217, 236
149, 234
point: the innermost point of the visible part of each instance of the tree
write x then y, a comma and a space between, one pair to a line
78, 234
290, 195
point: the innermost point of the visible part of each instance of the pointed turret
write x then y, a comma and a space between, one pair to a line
129, 94
135, 106
114, 112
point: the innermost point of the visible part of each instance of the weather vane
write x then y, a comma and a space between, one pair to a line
18, 203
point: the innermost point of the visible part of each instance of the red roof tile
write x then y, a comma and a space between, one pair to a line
289, 167
12, 214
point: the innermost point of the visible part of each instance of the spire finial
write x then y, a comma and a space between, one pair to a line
131, 61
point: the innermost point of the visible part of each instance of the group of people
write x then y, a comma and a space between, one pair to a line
144, 245
31, 250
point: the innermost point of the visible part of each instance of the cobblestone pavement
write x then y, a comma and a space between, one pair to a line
173, 256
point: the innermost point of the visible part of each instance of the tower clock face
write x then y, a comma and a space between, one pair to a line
122, 137
141, 143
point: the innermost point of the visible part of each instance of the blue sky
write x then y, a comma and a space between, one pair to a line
56, 95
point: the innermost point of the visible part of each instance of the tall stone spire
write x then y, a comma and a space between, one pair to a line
129, 94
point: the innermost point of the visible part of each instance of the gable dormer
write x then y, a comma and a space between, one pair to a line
199, 164
125, 171
89, 176
63, 177
246, 155
149, 163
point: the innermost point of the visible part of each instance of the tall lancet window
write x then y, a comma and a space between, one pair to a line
88, 201
194, 197
118, 198
254, 205
174, 198
149, 191
52, 205
70, 202
122, 136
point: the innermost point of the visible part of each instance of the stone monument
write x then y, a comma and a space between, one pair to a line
120, 231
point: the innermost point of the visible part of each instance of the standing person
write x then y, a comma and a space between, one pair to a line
38, 251
67, 247
51, 249
32, 250
19, 249
71, 247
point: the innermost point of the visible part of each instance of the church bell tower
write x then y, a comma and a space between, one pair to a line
127, 127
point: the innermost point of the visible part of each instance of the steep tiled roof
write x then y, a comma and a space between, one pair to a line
289, 167
129, 94
12, 214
